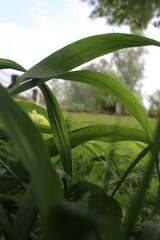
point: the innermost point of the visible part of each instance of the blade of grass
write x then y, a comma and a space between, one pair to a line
102, 133
131, 166
76, 54
58, 127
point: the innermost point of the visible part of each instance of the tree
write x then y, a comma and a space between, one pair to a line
135, 13
129, 65
154, 100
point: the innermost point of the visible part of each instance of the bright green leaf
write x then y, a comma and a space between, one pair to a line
58, 127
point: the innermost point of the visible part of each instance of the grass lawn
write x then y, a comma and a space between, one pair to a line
85, 119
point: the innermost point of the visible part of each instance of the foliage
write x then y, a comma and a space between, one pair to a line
131, 72
44, 192
154, 100
137, 14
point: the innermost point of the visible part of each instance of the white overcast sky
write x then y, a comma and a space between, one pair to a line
30, 30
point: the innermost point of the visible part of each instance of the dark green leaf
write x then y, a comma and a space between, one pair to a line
66, 222
33, 152
99, 204
26, 215
101, 207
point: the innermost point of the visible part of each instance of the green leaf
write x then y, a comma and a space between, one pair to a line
67, 222
100, 206
58, 127
99, 203
6, 63
83, 51
102, 133
26, 215
114, 87
29, 142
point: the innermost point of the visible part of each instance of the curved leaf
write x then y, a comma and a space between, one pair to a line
103, 133
115, 88
58, 127
6, 63
83, 51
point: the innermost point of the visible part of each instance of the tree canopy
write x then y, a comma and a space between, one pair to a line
129, 64
154, 100
135, 13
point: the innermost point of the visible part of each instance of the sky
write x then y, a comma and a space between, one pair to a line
33, 29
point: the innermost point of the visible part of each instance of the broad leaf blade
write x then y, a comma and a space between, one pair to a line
58, 127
